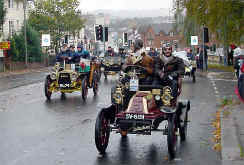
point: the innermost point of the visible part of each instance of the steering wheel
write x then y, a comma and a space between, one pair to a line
138, 69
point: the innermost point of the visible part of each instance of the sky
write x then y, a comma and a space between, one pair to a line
91, 5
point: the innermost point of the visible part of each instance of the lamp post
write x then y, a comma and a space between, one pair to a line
26, 55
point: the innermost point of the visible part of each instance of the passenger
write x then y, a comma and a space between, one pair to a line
86, 54
78, 54
110, 52
139, 57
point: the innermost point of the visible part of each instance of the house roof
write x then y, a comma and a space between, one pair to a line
162, 27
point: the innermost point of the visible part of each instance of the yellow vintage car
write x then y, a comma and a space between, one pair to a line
68, 78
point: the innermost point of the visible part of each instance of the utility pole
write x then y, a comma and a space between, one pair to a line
203, 49
26, 55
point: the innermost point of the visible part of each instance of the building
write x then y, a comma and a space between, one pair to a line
14, 18
156, 35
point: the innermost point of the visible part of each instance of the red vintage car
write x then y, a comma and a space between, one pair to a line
139, 109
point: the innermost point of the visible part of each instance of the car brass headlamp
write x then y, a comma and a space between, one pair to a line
118, 96
53, 76
73, 76
167, 96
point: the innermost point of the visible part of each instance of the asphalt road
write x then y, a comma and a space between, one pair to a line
61, 132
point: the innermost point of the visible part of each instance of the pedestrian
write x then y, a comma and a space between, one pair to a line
201, 58
205, 53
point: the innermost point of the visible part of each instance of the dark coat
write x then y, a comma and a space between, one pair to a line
176, 65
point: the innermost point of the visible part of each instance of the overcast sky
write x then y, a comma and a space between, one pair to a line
90, 5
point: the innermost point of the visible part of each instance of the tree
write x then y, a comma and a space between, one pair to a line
17, 51
57, 18
224, 18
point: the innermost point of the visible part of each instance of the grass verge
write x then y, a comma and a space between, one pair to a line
221, 67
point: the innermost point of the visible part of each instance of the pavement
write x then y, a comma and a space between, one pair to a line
231, 117
9, 80
23, 71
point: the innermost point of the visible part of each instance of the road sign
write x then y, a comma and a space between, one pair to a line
46, 40
5, 45
1, 53
194, 40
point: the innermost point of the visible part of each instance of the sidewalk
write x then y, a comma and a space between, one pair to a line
24, 71
232, 134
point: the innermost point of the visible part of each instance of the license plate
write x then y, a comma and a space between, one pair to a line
64, 85
134, 83
134, 116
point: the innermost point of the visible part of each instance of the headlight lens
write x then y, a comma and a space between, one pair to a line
53, 76
157, 97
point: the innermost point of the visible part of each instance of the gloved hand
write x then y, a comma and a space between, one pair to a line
174, 74
161, 74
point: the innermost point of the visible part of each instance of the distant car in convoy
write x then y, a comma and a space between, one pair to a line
190, 65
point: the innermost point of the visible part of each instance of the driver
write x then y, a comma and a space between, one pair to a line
139, 57
62, 54
168, 67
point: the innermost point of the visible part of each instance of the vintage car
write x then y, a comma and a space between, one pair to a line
139, 109
112, 65
190, 65
68, 78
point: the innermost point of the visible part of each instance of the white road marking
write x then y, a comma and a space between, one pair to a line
228, 80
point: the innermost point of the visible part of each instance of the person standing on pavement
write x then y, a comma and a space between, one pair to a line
201, 58
206, 56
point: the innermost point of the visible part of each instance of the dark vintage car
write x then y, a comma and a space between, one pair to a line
112, 65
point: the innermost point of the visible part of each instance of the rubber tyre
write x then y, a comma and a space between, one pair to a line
102, 132
241, 86
99, 75
84, 89
113, 89
105, 76
95, 85
183, 130
46, 86
194, 78
63, 96
172, 137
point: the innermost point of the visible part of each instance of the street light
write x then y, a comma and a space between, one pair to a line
26, 54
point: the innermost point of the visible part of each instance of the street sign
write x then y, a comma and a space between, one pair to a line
1, 53
5, 45
46, 40
194, 40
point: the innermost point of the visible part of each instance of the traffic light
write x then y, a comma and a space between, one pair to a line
205, 33
99, 32
125, 39
106, 33
175, 44
66, 39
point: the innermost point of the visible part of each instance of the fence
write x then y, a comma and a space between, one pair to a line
6, 64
